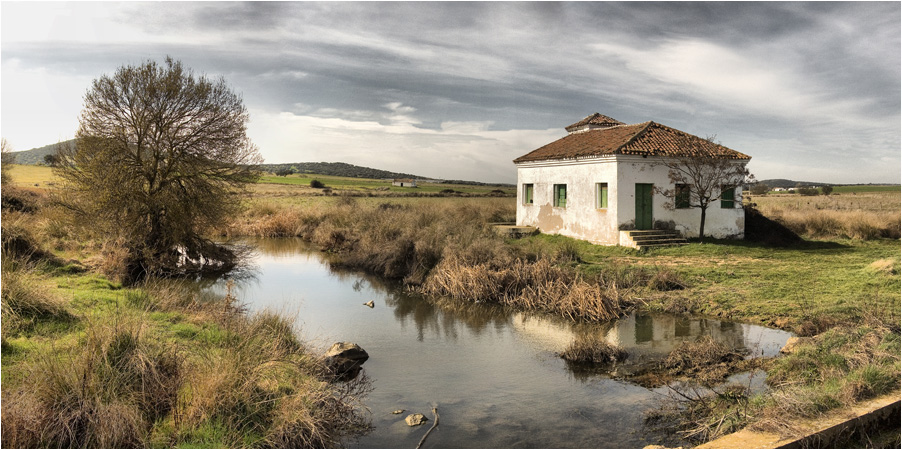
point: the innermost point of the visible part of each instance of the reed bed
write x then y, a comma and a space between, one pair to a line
448, 249
538, 285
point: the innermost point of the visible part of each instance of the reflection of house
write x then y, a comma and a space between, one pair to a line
606, 176
404, 182
661, 334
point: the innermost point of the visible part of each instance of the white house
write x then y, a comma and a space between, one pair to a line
404, 182
606, 176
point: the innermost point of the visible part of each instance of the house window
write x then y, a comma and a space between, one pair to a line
681, 196
527, 194
728, 198
560, 195
601, 195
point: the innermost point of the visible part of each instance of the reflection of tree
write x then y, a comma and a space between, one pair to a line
443, 317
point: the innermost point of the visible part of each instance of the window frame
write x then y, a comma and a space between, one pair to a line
556, 197
602, 190
682, 196
529, 193
728, 198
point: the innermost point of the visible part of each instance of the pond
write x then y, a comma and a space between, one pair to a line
493, 373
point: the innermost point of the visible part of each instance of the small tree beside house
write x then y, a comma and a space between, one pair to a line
705, 175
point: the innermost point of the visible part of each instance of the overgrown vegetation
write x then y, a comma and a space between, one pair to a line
450, 249
89, 363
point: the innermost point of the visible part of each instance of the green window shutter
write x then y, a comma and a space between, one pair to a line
681, 199
602, 195
560, 195
527, 194
728, 198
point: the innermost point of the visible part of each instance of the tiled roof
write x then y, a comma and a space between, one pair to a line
646, 139
595, 119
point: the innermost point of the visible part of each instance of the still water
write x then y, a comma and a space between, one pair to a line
493, 373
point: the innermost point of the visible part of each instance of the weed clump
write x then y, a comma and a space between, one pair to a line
26, 301
705, 359
585, 350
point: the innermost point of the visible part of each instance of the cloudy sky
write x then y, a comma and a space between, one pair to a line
457, 90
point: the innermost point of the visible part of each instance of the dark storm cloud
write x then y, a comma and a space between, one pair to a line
784, 81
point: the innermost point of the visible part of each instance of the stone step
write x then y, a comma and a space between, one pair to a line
671, 240
652, 232
646, 239
652, 237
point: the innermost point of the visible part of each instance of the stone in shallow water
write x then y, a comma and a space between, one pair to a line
344, 360
415, 419
398, 411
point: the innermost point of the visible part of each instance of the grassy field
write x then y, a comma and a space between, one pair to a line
378, 186
860, 189
32, 176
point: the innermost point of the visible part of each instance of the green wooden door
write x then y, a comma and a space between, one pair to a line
644, 219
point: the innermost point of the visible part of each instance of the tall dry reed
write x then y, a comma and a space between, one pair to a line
538, 285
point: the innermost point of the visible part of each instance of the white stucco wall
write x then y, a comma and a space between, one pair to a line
580, 219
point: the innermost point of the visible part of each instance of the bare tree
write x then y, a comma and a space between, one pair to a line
7, 158
158, 157
702, 177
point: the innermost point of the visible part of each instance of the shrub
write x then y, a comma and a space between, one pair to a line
317, 184
25, 299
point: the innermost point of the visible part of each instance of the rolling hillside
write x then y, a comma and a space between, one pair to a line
36, 155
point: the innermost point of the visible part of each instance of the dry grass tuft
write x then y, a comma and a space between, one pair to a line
106, 394
706, 360
26, 300
593, 350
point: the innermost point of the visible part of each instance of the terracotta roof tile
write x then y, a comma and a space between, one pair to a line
647, 139
595, 119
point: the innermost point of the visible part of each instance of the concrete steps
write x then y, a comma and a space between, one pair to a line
645, 239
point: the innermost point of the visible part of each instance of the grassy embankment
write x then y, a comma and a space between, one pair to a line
87, 362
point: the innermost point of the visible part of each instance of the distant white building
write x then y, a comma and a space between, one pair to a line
602, 177
404, 182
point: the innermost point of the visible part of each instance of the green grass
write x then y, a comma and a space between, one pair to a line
827, 280
866, 188
31, 175
369, 184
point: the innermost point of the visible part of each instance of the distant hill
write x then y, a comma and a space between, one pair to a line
338, 169
36, 155
783, 183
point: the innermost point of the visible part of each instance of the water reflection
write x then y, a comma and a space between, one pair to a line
493, 372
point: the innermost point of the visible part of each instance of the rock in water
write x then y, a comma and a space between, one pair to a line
370, 303
344, 359
415, 419
398, 411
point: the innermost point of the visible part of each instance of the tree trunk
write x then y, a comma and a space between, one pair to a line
701, 227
